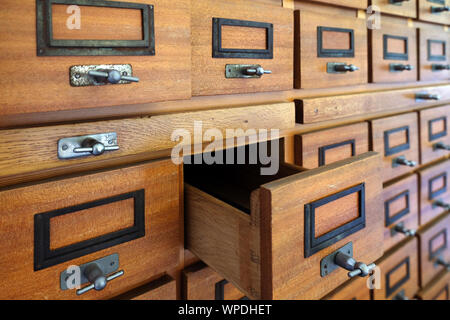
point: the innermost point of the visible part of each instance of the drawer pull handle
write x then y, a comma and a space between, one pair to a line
398, 2
340, 67
441, 204
441, 146
440, 9
400, 296
400, 228
95, 147
440, 67
245, 71
97, 278
402, 161
396, 67
442, 262
427, 96
356, 268
111, 76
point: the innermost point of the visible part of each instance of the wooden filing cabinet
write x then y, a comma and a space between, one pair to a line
401, 214
151, 36
130, 214
329, 50
434, 136
354, 289
397, 139
434, 52
280, 232
434, 253
319, 148
434, 191
200, 282
399, 273
393, 52
231, 37
437, 289
405, 8
430, 10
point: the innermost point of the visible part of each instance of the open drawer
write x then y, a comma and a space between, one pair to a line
271, 236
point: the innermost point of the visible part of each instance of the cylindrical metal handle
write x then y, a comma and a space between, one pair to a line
402, 67
259, 71
443, 263
427, 96
442, 204
439, 67
356, 268
97, 279
95, 147
404, 162
440, 9
346, 68
398, 1
441, 146
407, 232
112, 76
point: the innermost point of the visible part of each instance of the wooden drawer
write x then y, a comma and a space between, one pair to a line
227, 33
399, 273
268, 234
401, 215
200, 282
393, 46
358, 4
133, 212
433, 246
354, 289
425, 11
324, 44
433, 52
406, 8
40, 81
434, 137
437, 289
396, 138
433, 188
164, 288
315, 149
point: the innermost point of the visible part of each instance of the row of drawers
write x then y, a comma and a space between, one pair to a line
198, 49
264, 234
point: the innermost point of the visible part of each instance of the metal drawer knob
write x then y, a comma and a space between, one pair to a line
440, 67
441, 146
403, 162
441, 204
95, 147
259, 71
111, 76
442, 262
398, 1
440, 9
400, 228
97, 278
346, 68
356, 268
427, 96
400, 67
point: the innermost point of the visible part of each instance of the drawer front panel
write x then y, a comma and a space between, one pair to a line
399, 273
425, 11
69, 222
320, 148
404, 9
200, 282
295, 205
434, 245
359, 4
229, 36
104, 33
433, 188
393, 45
355, 289
164, 288
400, 210
340, 42
438, 289
433, 53
434, 126
396, 137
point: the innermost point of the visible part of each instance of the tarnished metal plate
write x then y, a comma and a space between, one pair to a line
107, 264
327, 264
79, 74
67, 145
238, 70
